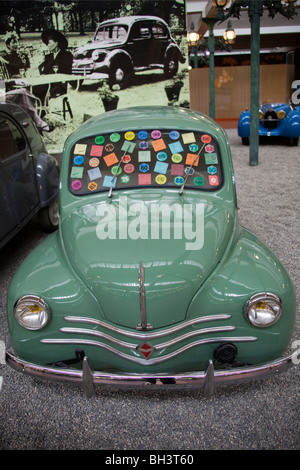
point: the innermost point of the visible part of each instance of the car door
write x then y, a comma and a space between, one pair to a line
18, 190
139, 44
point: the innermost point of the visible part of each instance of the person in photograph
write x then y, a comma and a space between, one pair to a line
58, 60
13, 60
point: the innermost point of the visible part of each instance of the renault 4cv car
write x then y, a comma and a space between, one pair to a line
150, 278
275, 120
29, 176
123, 46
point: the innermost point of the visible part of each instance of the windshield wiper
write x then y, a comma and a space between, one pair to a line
116, 175
188, 170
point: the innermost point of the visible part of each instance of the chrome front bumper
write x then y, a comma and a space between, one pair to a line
208, 379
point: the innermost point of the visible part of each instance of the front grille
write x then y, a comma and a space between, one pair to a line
270, 120
137, 346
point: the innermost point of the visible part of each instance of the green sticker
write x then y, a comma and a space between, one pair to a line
114, 170
76, 172
198, 181
99, 139
210, 158
125, 178
115, 137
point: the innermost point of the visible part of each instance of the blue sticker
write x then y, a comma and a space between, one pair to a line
178, 180
161, 167
174, 135
144, 167
161, 156
176, 147
142, 135
78, 160
193, 147
212, 170
109, 181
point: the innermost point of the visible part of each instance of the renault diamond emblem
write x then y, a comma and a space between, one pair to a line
146, 349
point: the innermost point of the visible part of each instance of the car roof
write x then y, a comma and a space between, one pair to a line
132, 19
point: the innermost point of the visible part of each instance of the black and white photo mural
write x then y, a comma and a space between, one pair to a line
68, 61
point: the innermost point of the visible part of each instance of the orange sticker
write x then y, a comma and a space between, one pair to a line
158, 145
110, 159
92, 186
190, 159
94, 162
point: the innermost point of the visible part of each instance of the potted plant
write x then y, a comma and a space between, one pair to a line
109, 98
173, 90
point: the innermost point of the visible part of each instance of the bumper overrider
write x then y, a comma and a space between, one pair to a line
208, 379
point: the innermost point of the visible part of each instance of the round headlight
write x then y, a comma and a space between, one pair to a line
263, 309
31, 312
260, 114
281, 114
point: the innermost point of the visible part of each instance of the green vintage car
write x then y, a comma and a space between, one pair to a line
150, 278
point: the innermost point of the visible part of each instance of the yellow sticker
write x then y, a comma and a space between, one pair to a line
129, 135
161, 179
80, 148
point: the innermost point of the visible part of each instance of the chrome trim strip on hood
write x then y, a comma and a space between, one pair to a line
203, 331
152, 335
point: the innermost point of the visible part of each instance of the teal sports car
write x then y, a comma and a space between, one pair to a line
150, 278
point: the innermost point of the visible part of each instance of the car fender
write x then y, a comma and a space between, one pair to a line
244, 124
47, 274
47, 174
174, 49
292, 123
118, 54
248, 268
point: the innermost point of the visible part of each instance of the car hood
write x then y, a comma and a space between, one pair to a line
159, 249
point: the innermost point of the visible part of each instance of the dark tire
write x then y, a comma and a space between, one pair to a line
49, 217
171, 65
120, 74
245, 140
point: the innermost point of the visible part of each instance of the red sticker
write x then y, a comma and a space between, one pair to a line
206, 138
213, 180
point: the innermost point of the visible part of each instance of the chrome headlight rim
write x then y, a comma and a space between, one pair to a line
281, 114
30, 305
262, 302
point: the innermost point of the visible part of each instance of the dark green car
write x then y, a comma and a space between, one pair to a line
150, 278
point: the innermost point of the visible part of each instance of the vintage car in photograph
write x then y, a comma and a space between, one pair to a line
275, 120
150, 278
29, 175
123, 46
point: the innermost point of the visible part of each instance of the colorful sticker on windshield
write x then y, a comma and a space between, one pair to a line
145, 157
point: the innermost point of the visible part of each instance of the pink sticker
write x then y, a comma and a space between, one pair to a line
156, 134
129, 168
96, 151
209, 148
177, 170
145, 178
76, 185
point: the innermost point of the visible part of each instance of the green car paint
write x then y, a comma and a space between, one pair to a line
197, 275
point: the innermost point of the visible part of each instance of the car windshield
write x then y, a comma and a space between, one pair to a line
111, 33
145, 158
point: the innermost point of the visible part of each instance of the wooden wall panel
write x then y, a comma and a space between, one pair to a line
232, 88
